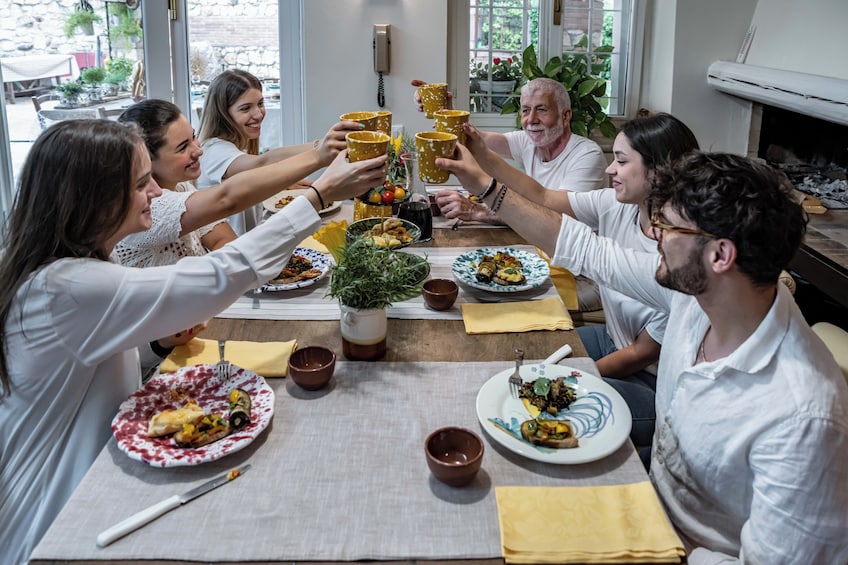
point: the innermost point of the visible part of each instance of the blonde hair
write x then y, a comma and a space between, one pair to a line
215, 120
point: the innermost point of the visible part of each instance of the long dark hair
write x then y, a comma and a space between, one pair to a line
223, 92
153, 117
659, 138
74, 194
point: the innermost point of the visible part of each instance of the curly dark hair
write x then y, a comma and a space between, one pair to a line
738, 199
153, 117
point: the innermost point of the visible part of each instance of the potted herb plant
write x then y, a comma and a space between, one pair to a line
502, 77
93, 77
366, 280
82, 17
580, 78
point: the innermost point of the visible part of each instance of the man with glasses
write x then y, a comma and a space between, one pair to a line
752, 410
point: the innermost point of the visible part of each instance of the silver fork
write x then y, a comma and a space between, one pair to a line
515, 378
223, 366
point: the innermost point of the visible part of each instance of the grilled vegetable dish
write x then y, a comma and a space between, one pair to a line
546, 395
551, 433
500, 268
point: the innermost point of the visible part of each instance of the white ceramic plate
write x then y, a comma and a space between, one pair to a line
319, 261
270, 204
600, 417
201, 384
534, 268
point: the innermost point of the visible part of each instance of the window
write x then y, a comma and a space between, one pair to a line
502, 29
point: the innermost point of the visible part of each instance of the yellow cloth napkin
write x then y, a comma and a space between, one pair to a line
604, 524
311, 243
505, 317
563, 281
267, 359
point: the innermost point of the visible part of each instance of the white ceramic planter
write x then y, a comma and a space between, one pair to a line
363, 333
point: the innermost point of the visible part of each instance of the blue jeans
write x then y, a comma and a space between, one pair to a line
636, 389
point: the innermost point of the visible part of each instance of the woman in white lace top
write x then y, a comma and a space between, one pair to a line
188, 222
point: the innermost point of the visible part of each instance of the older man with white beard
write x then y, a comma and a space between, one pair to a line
554, 156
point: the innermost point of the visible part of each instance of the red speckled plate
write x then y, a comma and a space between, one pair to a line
201, 384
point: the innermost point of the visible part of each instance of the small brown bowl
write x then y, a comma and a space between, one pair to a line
311, 367
454, 455
440, 294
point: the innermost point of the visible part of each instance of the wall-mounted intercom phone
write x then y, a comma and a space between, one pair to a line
381, 43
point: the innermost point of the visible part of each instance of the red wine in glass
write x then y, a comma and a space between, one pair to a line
418, 213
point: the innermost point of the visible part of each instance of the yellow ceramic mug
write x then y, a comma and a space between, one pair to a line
364, 145
384, 121
450, 121
434, 96
367, 119
430, 145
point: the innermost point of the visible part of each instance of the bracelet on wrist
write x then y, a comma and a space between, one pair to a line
318, 194
499, 198
159, 350
488, 191
316, 143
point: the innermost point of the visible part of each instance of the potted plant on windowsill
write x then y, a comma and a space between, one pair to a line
503, 77
585, 87
366, 279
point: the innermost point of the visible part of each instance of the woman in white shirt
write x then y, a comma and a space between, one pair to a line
188, 222
627, 348
231, 122
73, 322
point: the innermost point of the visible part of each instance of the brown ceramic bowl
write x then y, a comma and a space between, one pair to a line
311, 367
440, 294
454, 455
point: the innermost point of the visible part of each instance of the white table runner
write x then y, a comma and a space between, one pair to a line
311, 303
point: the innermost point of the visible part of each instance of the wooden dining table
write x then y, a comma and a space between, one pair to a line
340, 474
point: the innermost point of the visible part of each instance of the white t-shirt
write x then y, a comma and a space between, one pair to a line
72, 336
625, 317
749, 451
217, 157
162, 244
580, 167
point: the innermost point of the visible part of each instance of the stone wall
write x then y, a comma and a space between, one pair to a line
223, 33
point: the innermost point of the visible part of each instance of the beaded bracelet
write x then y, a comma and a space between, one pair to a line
500, 198
488, 191
318, 194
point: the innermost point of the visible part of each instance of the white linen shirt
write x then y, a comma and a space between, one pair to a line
580, 167
218, 155
71, 340
625, 317
749, 454
162, 244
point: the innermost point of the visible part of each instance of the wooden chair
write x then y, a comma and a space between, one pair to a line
37, 101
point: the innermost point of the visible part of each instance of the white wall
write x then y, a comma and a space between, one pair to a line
339, 74
806, 37
684, 37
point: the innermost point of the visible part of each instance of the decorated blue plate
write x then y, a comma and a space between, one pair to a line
361, 227
533, 267
320, 261
599, 416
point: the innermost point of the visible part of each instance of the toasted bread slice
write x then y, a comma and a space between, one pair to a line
168, 422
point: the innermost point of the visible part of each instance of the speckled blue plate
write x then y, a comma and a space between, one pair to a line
534, 268
319, 260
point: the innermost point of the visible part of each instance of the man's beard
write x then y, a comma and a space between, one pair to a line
689, 278
552, 134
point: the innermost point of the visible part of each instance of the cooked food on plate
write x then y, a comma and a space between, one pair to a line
388, 233
204, 430
192, 427
239, 408
546, 395
168, 422
283, 202
551, 433
298, 268
501, 268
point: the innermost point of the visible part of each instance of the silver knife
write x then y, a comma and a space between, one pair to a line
149, 514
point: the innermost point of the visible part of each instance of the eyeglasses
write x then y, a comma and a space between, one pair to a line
656, 223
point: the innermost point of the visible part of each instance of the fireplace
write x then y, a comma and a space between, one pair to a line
812, 152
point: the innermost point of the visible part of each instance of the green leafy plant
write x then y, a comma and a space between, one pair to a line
368, 277
70, 90
93, 76
119, 67
82, 17
581, 78
400, 146
125, 28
